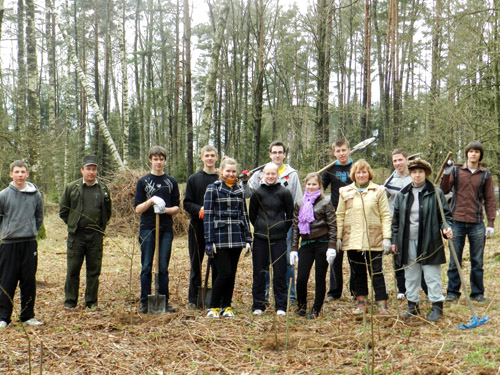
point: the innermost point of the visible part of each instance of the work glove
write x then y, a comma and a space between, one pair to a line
248, 249
210, 250
449, 167
294, 257
339, 244
201, 213
245, 175
330, 255
489, 232
159, 204
386, 246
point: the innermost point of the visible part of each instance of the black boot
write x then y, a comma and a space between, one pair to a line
436, 312
411, 311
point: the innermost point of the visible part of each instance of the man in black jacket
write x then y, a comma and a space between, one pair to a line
193, 204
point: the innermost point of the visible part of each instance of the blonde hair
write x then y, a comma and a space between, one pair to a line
225, 162
361, 164
270, 165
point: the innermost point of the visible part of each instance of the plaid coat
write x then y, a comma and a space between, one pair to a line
226, 219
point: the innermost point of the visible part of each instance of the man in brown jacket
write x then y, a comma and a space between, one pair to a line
472, 185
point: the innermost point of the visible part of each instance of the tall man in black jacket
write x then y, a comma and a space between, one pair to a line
193, 204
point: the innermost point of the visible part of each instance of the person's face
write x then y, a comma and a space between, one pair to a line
362, 176
229, 171
270, 175
19, 175
209, 158
89, 173
342, 153
157, 163
473, 155
417, 176
400, 163
277, 155
312, 185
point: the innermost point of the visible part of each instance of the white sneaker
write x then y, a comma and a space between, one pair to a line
3, 324
33, 322
227, 312
213, 313
401, 296
281, 313
257, 312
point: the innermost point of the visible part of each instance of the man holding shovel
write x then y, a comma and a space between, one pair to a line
472, 184
156, 193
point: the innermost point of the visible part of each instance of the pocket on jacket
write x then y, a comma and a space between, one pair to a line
219, 224
375, 236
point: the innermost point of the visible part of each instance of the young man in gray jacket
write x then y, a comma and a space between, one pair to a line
21, 216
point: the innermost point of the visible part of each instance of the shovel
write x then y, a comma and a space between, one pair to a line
156, 302
204, 292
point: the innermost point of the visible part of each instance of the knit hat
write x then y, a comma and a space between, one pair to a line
89, 160
475, 145
420, 164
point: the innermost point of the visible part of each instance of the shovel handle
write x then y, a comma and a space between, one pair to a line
156, 260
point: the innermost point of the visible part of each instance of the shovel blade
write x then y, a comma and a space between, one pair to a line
156, 304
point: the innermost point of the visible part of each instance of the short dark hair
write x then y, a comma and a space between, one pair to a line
157, 151
18, 163
278, 143
398, 151
340, 142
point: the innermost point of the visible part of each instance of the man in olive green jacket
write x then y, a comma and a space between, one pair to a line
86, 208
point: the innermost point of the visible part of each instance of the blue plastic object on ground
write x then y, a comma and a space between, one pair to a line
474, 322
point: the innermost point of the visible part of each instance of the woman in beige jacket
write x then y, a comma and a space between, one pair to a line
364, 229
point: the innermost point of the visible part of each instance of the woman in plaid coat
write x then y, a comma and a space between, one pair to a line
226, 232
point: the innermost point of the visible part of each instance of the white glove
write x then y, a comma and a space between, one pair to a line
248, 249
489, 232
330, 256
449, 168
386, 246
294, 257
159, 204
339, 244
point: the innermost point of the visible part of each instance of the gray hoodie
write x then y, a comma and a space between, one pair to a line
21, 213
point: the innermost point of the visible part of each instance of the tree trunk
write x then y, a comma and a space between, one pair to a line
365, 117
187, 87
125, 106
20, 125
259, 81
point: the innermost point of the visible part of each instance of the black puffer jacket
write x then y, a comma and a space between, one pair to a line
271, 211
325, 223
430, 244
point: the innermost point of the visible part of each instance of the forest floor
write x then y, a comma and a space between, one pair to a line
116, 339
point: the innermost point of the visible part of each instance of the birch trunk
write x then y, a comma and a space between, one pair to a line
125, 107
187, 93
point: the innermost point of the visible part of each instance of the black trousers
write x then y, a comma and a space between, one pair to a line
226, 262
314, 252
196, 245
18, 264
360, 261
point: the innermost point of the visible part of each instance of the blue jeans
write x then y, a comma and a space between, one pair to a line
147, 241
475, 232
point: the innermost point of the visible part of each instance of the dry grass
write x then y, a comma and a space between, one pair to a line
115, 339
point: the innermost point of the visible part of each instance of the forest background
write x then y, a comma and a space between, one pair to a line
113, 78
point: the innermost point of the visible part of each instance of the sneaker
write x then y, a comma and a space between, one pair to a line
360, 309
313, 314
227, 312
331, 298
192, 306
213, 313
69, 307
33, 322
3, 324
257, 312
479, 298
281, 313
144, 308
300, 312
401, 296
170, 308
450, 297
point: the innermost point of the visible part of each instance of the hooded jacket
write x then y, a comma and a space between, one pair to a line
21, 213
430, 248
363, 219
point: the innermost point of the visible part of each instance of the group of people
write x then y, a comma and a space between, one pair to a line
407, 218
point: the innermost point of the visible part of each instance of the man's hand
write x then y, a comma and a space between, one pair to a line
449, 167
490, 231
159, 204
245, 175
294, 257
448, 233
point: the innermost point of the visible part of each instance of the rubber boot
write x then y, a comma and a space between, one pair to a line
436, 312
411, 311
361, 309
382, 307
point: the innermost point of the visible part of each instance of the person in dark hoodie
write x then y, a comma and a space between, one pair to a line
416, 238
271, 213
21, 216
193, 204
